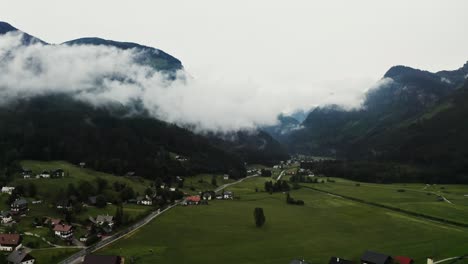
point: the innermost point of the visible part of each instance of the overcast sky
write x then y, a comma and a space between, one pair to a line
320, 51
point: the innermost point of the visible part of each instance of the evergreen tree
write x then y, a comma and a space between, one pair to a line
259, 217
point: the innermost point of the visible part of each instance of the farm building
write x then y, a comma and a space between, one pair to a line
63, 231
58, 173
403, 260
10, 242
105, 219
7, 189
208, 195
6, 217
370, 257
44, 175
228, 195
19, 206
192, 200
20, 257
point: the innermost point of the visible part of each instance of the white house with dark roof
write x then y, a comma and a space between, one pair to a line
20, 257
7, 189
6, 217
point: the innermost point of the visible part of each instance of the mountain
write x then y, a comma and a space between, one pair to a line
285, 125
404, 95
120, 138
155, 58
26, 39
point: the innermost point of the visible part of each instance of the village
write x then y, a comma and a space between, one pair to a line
87, 217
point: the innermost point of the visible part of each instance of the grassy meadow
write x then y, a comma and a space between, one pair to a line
325, 226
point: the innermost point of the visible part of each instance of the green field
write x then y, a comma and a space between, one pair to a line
74, 174
326, 226
202, 182
419, 198
52, 255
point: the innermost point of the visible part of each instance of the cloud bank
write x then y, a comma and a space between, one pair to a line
102, 74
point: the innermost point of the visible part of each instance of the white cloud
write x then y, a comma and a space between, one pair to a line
100, 74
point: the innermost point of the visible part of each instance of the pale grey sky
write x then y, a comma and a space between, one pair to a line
299, 52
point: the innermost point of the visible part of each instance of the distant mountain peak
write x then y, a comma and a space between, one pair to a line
5, 28
399, 70
27, 39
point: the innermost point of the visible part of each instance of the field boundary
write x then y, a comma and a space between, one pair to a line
396, 209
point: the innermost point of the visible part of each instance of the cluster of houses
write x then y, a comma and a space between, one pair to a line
180, 158
206, 196
369, 257
45, 174
13, 243
18, 207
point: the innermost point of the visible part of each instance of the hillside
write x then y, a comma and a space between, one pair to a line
118, 138
404, 94
413, 117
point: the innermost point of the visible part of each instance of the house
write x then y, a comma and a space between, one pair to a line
20, 257
228, 195
65, 205
10, 242
298, 261
335, 260
144, 200
55, 221
105, 219
192, 200
64, 231
403, 260
26, 173
84, 238
101, 259
58, 173
19, 206
92, 200
370, 257
6, 217
44, 175
7, 189
208, 195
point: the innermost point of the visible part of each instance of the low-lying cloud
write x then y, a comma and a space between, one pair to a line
102, 74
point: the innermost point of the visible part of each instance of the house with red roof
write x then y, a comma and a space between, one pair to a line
192, 200
10, 242
403, 260
64, 231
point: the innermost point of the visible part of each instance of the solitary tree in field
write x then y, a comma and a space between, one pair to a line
259, 217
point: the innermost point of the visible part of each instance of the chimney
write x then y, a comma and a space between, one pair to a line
430, 260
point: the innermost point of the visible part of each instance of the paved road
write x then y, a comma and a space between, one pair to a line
224, 186
280, 175
448, 259
78, 257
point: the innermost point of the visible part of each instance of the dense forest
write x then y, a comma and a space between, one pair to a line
57, 127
